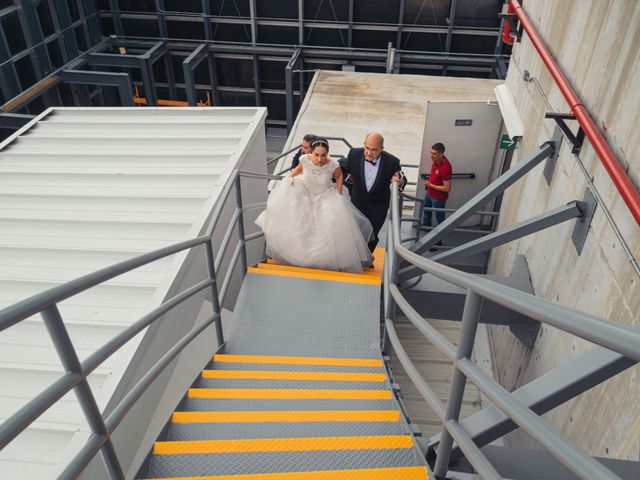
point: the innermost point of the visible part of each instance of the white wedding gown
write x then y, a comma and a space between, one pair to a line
308, 224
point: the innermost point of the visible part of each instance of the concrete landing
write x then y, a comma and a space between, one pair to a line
349, 104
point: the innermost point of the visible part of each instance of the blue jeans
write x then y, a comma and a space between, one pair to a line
429, 203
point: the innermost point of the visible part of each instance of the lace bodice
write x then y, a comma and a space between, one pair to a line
317, 178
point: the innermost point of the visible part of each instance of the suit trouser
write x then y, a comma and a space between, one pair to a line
377, 226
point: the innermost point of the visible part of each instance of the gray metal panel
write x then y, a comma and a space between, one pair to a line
297, 384
217, 431
268, 462
336, 319
226, 405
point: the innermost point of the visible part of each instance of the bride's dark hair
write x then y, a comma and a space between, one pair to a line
320, 142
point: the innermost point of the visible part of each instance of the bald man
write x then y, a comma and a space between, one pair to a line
372, 170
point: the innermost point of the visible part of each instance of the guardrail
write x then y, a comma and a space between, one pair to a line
77, 372
623, 340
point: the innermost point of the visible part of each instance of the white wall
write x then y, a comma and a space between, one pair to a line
596, 43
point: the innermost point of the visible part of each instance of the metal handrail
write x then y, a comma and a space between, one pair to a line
77, 373
597, 330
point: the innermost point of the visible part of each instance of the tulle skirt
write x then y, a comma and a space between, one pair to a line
315, 229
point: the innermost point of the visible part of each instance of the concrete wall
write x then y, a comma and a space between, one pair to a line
596, 44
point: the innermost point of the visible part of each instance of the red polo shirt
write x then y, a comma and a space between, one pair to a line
440, 173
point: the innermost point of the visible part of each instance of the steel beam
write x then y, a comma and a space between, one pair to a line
9, 80
33, 36
288, 80
24, 98
400, 25
294, 22
14, 121
254, 25
62, 8
162, 20
90, 12
256, 81
350, 25
213, 75
300, 22
317, 54
116, 17
113, 60
492, 190
119, 80
513, 232
452, 20
188, 66
206, 13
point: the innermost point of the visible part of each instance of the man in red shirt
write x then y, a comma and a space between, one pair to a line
438, 185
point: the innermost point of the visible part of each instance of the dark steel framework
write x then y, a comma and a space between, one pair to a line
228, 52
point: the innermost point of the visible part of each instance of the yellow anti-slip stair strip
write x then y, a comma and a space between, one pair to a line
288, 416
318, 275
398, 473
282, 375
278, 360
283, 445
289, 394
270, 265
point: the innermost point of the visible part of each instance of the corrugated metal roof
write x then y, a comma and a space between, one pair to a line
81, 189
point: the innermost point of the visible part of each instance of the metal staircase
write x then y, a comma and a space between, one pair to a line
301, 390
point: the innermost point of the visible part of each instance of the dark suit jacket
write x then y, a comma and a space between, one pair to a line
374, 204
296, 159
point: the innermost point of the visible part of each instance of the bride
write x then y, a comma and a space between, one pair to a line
310, 221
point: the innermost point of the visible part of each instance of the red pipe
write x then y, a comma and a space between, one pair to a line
619, 177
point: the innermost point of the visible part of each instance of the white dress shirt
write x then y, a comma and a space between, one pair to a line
371, 172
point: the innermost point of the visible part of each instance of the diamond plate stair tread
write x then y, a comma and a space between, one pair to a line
267, 462
218, 431
295, 444
396, 473
300, 384
224, 405
338, 319
290, 368
296, 360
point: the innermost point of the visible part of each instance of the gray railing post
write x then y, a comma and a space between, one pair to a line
394, 265
386, 294
215, 299
71, 363
458, 380
243, 254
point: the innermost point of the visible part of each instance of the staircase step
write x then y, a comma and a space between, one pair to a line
284, 360
361, 473
288, 394
288, 416
283, 444
225, 383
270, 264
194, 404
313, 274
287, 375
221, 431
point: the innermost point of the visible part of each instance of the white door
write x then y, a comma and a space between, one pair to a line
470, 133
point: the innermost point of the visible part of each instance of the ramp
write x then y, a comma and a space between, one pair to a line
301, 390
